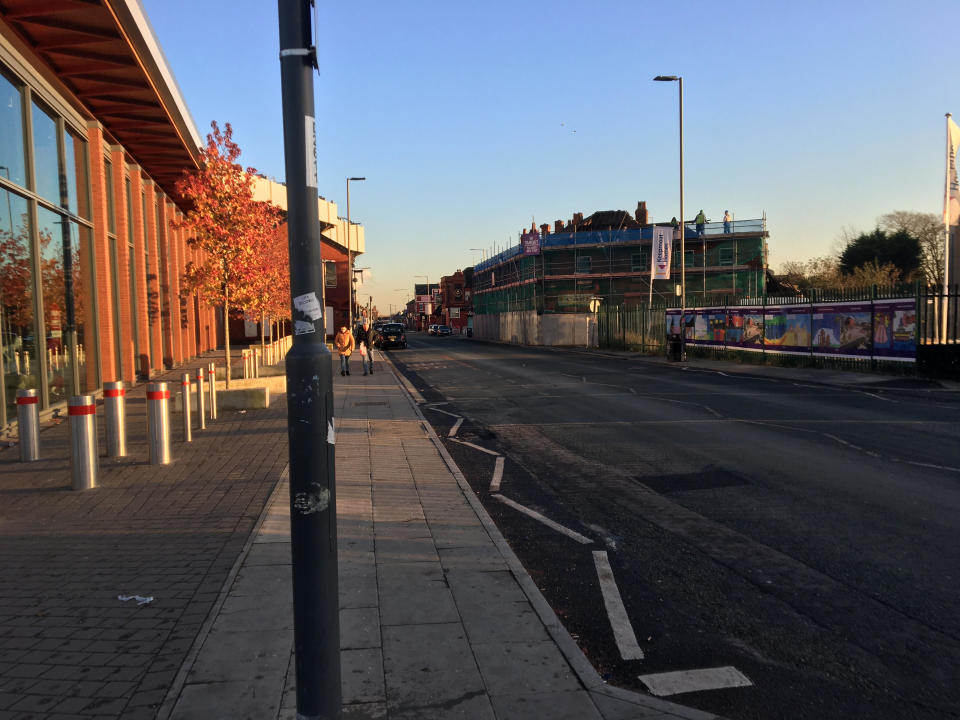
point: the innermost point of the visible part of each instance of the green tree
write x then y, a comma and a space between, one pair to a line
927, 228
899, 249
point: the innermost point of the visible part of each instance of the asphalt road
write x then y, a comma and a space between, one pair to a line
803, 534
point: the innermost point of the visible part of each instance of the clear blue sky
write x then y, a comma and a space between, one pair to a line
470, 118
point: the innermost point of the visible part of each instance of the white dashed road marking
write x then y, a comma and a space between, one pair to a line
623, 633
684, 681
476, 447
545, 520
497, 475
456, 426
445, 412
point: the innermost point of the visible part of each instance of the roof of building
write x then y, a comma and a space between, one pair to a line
106, 54
604, 220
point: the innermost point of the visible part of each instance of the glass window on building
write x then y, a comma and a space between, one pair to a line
63, 280
17, 322
12, 159
75, 156
330, 274
84, 312
584, 264
726, 256
46, 162
688, 259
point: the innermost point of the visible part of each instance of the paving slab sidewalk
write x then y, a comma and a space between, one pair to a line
438, 618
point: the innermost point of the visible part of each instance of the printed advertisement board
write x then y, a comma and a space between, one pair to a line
531, 243
842, 329
745, 327
787, 328
709, 327
895, 329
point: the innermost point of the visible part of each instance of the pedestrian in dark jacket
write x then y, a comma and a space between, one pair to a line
366, 338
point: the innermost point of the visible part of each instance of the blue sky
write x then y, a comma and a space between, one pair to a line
470, 118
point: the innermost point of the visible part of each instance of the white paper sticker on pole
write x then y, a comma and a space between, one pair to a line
303, 328
309, 305
310, 129
660, 257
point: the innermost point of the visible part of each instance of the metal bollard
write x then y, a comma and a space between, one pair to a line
158, 423
115, 418
28, 424
82, 410
212, 380
201, 410
185, 387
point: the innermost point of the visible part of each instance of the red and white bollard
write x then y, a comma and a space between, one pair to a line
158, 423
185, 396
28, 424
201, 411
82, 410
115, 418
212, 381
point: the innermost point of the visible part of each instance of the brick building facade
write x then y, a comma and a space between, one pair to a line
93, 137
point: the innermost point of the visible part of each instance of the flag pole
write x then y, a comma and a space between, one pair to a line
944, 304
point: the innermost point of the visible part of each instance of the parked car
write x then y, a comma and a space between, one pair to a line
393, 335
432, 330
444, 330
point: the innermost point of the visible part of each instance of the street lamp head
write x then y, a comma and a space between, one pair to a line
667, 78
356, 178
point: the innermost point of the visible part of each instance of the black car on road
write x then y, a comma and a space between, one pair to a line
392, 335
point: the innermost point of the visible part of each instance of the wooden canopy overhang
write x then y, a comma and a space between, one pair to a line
105, 53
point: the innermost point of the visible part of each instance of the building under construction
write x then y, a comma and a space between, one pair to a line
606, 257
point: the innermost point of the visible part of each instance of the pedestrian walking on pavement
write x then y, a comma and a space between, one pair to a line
344, 344
367, 338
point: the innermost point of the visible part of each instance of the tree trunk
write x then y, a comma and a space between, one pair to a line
226, 334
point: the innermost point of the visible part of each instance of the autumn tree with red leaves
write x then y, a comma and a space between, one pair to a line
226, 224
268, 273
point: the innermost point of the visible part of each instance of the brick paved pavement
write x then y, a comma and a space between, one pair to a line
68, 646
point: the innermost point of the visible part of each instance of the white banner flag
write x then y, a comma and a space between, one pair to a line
660, 257
951, 193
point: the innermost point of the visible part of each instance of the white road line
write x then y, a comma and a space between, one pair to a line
497, 475
475, 447
445, 412
842, 441
713, 412
878, 397
930, 465
623, 633
456, 426
684, 681
545, 520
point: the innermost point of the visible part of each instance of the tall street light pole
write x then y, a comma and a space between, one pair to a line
350, 249
683, 247
313, 507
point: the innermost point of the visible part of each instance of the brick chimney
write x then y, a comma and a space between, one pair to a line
558, 226
545, 229
578, 218
641, 214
